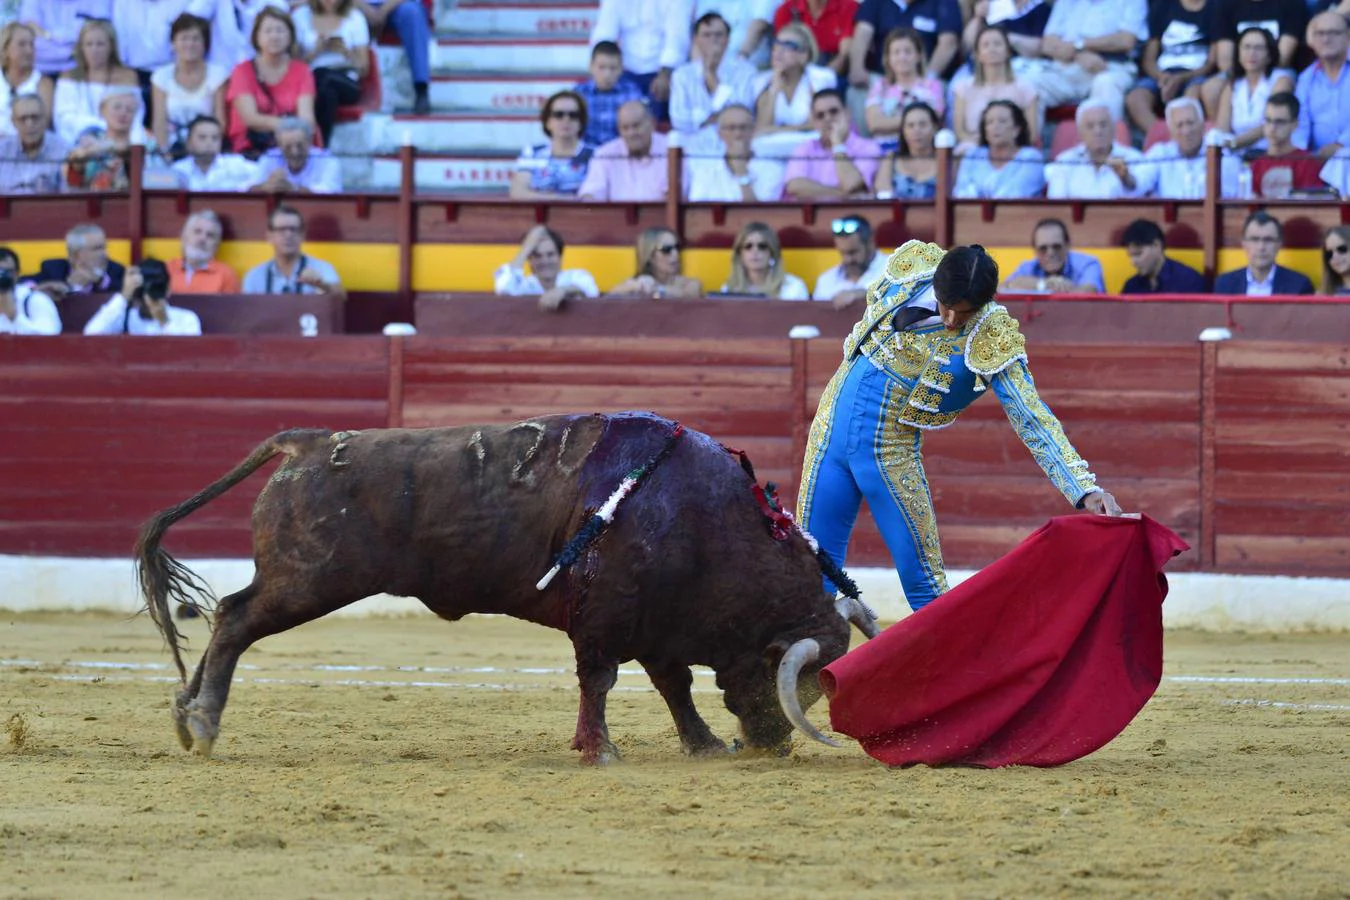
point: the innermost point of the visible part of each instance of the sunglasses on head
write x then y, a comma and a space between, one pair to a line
845, 226
574, 114
1329, 252
789, 45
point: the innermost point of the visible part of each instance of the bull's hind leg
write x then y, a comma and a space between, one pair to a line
596, 677
185, 697
674, 681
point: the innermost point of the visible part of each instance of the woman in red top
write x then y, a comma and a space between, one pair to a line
268, 87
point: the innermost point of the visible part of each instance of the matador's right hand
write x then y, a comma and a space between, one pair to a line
1101, 503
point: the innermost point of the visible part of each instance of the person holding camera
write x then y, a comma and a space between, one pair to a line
142, 306
23, 308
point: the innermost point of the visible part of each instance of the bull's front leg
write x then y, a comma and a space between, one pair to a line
596, 677
674, 681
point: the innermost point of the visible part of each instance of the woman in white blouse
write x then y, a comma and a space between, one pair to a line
79, 92
334, 39
186, 88
783, 93
21, 76
1242, 105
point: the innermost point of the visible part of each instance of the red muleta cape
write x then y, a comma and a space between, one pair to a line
1036, 660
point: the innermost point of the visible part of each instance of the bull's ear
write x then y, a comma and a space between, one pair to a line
773, 654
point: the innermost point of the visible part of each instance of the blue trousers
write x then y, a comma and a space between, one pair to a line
409, 21
857, 449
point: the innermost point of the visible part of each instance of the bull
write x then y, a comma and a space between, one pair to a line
467, 518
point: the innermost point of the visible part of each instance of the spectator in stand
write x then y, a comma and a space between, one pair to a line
1283, 20
409, 21
1004, 166
145, 33
31, 158
21, 76
291, 271
737, 174
543, 248
1323, 89
757, 267
186, 88
86, 268
1088, 49
860, 263
751, 26
700, 89
1262, 237
910, 172
142, 306
1253, 80
783, 94
268, 87
1176, 169
938, 23
608, 88
631, 168
100, 158
1336, 261
231, 27
658, 269
1285, 168
295, 165
1056, 267
830, 21
903, 84
334, 40
1024, 26
836, 165
23, 309
1336, 174
1154, 271
1177, 59
555, 170
1098, 168
205, 168
993, 79
57, 25
198, 271
98, 67
654, 35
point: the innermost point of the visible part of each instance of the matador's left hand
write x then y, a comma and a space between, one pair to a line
1101, 503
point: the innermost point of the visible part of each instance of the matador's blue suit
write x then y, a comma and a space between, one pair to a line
893, 386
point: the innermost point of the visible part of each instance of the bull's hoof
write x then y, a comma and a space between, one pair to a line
741, 748
204, 733
706, 750
180, 726
604, 755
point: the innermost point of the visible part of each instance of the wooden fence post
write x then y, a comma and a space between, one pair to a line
406, 220
675, 191
136, 202
1209, 367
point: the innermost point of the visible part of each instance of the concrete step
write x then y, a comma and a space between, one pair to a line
438, 174
496, 91
568, 19
510, 53
504, 133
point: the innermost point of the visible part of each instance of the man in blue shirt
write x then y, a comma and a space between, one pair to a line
1155, 272
1056, 269
1323, 88
938, 22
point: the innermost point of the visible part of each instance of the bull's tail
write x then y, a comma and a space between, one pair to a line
164, 580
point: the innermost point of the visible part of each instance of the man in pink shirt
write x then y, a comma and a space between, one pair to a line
632, 167
839, 163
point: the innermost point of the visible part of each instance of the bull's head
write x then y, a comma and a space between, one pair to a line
794, 696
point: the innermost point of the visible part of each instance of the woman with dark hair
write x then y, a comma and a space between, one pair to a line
1004, 166
264, 90
1255, 76
188, 87
911, 171
555, 170
930, 342
1336, 260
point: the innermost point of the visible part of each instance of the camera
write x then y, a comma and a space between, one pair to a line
154, 282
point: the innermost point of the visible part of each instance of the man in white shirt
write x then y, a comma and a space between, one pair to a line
727, 170
205, 168
543, 248
860, 263
1176, 169
31, 159
702, 88
1098, 168
1088, 50
654, 35
142, 306
23, 308
295, 165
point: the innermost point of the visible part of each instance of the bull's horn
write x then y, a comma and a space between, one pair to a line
858, 613
799, 655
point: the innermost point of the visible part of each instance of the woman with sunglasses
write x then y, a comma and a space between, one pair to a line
929, 343
658, 269
555, 170
783, 94
757, 267
1336, 261
910, 171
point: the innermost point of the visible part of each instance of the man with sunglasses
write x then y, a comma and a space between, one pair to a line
836, 164
291, 271
1056, 269
860, 263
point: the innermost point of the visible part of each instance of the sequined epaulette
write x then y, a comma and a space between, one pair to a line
995, 342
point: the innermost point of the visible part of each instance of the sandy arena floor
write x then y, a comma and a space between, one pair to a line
407, 757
